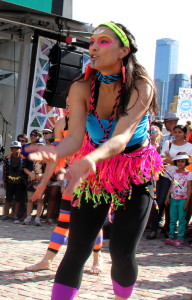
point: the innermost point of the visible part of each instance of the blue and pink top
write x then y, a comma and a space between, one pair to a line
114, 177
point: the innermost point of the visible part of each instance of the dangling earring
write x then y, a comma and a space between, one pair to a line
88, 71
123, 70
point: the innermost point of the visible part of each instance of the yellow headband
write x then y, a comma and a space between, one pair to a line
121, 34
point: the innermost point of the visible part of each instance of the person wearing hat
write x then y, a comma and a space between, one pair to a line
179, 197
170, 121
48, 136
14, 180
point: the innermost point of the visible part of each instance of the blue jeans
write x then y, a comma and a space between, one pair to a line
177, 213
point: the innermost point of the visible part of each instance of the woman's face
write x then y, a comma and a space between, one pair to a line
105, 51
178, 134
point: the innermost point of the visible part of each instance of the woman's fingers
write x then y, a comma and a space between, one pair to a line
42, 153
38, 193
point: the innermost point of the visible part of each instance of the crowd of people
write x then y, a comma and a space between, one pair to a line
21, 176
115, 163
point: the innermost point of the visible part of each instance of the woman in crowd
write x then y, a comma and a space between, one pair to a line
115, 165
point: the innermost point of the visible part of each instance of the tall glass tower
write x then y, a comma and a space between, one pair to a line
166, 62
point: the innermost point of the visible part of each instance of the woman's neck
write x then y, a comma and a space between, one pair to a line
179, 143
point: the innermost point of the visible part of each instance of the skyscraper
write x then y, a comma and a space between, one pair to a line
166, 62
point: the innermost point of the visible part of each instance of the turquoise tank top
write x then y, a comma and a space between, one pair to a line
96, 133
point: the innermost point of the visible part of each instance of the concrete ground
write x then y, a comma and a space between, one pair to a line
165, 272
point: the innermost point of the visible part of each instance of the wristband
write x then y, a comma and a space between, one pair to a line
56, 142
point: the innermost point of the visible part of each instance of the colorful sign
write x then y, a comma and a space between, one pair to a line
184, 107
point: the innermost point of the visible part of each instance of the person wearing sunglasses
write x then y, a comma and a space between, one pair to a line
155, 136
22, 138
35, 135
48, 136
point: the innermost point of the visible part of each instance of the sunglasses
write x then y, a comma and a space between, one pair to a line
33, 134
152, 131
45, 133
22, 141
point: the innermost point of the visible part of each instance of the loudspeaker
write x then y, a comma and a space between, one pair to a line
65, 66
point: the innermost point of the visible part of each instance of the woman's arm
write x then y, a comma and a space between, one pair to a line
167, 201
74, 139
165, 152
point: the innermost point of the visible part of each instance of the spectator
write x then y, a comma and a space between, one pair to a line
179, 197
48, 136
53, 190
155, 136
170, 121
170, 149
35, 171
14, 180
158, 124
23, 139
35, 136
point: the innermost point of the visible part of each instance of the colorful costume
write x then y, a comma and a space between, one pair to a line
124, 180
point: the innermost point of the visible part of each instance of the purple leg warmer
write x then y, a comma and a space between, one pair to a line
63, 292
123, 292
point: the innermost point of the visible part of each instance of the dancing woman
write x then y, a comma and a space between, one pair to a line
116, 165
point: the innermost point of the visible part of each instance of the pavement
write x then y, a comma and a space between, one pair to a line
165, 272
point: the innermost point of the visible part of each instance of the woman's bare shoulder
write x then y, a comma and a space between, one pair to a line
144, 86
81, 86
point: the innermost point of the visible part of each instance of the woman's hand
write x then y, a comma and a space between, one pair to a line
42, 153
76, 173
167, 201
39, 192
167, 158
32, 176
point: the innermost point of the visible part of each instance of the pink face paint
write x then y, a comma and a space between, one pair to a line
102, 41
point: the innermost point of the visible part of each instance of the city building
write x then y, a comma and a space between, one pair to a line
166, 78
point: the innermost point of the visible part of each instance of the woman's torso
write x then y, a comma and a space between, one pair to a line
104, 109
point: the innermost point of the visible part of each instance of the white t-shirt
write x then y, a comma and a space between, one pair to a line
174, 149
179, 184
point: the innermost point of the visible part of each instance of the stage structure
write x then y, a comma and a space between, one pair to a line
68, 65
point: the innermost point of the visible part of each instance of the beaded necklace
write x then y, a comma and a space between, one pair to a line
93, 109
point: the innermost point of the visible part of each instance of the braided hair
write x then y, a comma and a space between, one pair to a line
135, 71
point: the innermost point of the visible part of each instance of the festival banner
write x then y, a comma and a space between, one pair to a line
184, 107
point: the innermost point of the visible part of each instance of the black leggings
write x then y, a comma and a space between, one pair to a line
127, 229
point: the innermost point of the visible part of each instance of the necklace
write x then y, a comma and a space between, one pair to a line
107, 78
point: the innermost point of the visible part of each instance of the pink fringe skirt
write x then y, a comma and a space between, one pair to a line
114, 177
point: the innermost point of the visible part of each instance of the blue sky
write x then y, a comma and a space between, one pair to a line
148, 20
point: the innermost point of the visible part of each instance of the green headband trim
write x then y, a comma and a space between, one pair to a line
121, 34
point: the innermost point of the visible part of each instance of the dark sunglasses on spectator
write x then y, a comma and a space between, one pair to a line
22, 141
45, 133
34, 134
